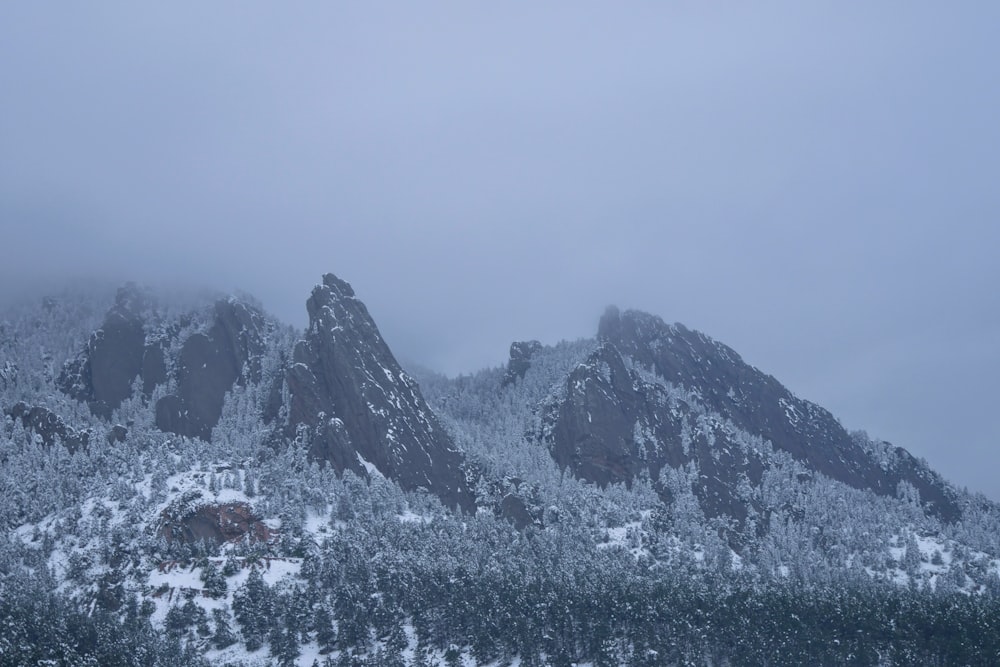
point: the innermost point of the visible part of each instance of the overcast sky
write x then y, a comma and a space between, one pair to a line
815, 184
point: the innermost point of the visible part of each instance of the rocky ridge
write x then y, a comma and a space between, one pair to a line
360, 411
135, 347
346, 394
655, 395
650, 396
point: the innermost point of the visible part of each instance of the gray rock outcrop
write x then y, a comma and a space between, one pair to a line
520, 360
632, 405
103, 373
359, 409
133, 347
213, 522
209, 365
48, 426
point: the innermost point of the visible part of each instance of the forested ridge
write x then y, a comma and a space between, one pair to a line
350, 569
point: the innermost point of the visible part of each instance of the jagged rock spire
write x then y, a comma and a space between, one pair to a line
362, 412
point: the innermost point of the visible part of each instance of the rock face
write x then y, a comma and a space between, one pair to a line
611, 425
132, 346
210, 364
655, 395
102, 375
215, 523
48, 426
520, 360
360, 411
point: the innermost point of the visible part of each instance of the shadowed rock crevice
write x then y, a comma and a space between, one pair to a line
211, 364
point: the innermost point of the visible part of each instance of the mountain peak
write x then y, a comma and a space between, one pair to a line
341, 286
361, 410
609, 328
671, 367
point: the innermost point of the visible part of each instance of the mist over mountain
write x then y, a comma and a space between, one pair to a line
201, 480
659, 334
828, 211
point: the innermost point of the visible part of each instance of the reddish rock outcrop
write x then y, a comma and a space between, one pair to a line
226, 522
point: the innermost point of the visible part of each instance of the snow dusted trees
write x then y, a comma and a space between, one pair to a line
253, 608
213, 580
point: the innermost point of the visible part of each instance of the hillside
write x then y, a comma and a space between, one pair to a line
189, 481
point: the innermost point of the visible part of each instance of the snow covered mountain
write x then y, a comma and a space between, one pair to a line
192, 482
655, 395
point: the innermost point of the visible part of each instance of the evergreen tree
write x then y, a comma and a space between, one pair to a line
284, 644
181, 617
253, 607
223, 636
326, 634
213, 581
911, 555
453, 657
231, 565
